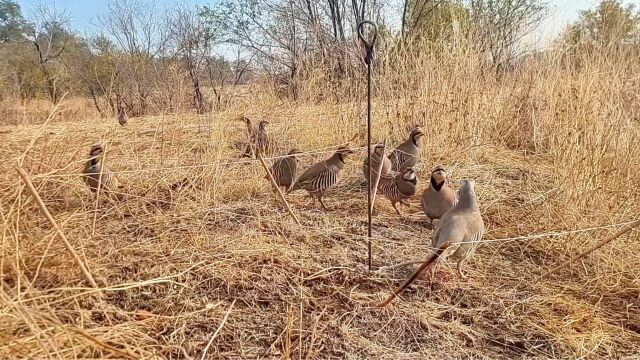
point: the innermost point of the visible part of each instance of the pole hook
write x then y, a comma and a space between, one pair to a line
368, 45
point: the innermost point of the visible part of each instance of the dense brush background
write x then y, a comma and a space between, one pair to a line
195, 233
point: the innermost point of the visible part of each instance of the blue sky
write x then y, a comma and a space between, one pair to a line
85, 12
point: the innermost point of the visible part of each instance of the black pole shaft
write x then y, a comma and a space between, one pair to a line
369, 210
368, 59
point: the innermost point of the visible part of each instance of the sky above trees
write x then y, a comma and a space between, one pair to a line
85, 13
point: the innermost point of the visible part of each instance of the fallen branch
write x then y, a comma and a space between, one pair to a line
425, 265
275, 185
224, 320
52, 221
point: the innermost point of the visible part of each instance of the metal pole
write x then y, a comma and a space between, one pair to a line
368, 59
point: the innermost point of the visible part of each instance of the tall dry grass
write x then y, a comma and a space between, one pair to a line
553, 148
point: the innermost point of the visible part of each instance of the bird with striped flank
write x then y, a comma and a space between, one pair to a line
460, 229
407, 154
438, 198
322, 176
377, 155
285, 169
96, 175
398, 187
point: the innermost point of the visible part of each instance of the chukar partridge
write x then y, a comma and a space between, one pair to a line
96, 175
285, 169
324, 175
398, 187
249, 150
438, 198
261, 139
122, 116
406, 155
461, 228
377, 155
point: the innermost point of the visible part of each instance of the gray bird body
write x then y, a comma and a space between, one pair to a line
438, 198
406, 155
122, 117
376, 157
285, 169
398, 187
322, 176
96, 175
461, 227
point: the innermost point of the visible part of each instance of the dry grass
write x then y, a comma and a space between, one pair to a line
196, 229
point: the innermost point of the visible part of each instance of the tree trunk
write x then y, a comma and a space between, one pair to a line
95, 101
51, 85
198, 99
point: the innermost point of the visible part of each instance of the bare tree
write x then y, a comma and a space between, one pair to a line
49, 34
500, 26
193, 42
140, 30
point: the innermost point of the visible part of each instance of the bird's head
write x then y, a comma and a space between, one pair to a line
343, 151
467, 192
416, 134
439, 174
263, 124
378, 150
295, 153
409, 175
96, 150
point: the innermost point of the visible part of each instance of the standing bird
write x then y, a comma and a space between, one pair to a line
459, 233
285, 169
323, 176
438, 198
377, 155
406, 155
398, 187
461, 228
122, 116
249, 150
262, 141
96, 175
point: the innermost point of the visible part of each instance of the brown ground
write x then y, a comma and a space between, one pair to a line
196, 234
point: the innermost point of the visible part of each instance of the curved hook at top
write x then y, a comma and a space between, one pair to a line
368, 44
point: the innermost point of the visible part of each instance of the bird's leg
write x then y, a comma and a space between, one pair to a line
395, 206
431, 223
322, 203
459, 268
434, 268
428, 273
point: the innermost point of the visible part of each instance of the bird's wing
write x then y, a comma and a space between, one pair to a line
312, 172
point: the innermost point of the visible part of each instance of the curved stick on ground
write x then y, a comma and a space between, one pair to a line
422, 267
54, 224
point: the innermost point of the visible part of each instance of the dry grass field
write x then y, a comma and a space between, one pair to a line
198, 253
